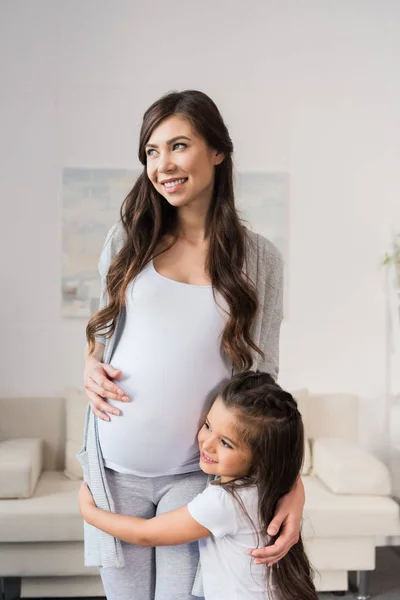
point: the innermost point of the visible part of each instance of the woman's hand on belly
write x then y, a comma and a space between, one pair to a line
99, 385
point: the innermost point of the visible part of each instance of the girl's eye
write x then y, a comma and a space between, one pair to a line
206, 425
149, 151
224, 443
179, 144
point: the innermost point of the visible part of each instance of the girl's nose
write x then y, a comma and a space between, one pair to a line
209, 446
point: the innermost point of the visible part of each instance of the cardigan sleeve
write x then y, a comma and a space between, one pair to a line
109, 250
272, 311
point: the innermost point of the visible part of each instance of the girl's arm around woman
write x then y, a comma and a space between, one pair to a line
170, 529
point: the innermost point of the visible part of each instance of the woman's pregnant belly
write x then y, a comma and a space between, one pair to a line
156, 433
172, 366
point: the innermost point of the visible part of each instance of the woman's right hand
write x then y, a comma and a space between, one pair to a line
99, 385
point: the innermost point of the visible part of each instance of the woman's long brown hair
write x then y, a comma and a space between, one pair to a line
147, 218
271, 426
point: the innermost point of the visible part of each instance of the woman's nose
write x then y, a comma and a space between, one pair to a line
165, 164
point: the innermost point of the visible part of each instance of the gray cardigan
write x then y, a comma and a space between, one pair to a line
265, 269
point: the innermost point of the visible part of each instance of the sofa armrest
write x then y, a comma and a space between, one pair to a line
21, 462
347, 469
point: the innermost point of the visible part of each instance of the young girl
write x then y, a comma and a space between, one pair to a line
253, 442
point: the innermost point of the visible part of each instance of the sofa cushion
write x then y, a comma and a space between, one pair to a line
50, 559
347, 469
21, 462
62, 587
306, 468
301, 396
36, 417
75, 407
338, 515
51, 514
333, 415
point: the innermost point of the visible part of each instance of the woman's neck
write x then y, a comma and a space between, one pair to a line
191, 224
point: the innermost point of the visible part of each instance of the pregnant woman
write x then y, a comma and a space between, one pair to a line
189, 297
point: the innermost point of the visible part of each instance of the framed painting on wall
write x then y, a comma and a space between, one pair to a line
91, 200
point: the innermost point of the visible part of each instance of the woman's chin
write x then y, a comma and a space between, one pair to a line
177, 202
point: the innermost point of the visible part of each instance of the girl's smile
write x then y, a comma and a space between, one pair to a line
221, 451
206, 458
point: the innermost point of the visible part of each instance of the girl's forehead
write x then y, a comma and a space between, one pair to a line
223, 416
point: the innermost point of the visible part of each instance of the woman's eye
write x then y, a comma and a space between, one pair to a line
206, 425
224, 443
152, 151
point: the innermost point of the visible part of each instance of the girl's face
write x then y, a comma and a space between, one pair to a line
221, 452
180, 165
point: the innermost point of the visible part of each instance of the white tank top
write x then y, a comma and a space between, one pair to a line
172, 363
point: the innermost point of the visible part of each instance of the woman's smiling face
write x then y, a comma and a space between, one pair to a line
180, 164
221, 451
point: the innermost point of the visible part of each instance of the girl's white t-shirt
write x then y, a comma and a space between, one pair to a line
228, 571
172, 366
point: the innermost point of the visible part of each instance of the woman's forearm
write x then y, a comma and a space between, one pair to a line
125, 528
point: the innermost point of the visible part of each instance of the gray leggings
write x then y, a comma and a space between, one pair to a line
163, 573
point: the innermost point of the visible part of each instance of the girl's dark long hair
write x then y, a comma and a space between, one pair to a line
270, 424
147, 218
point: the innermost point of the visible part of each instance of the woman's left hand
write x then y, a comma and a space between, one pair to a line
287, 518
85, 499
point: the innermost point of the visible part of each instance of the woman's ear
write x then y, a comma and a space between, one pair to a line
218, 158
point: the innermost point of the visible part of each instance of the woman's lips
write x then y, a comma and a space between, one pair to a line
174, 188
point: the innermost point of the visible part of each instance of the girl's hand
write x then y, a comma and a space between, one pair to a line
98, 385
85, 500
287, 518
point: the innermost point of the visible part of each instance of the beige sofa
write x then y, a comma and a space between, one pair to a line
348, 504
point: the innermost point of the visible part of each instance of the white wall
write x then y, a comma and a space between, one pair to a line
311, 87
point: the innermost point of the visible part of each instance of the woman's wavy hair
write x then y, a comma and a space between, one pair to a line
147, 217
270, 424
